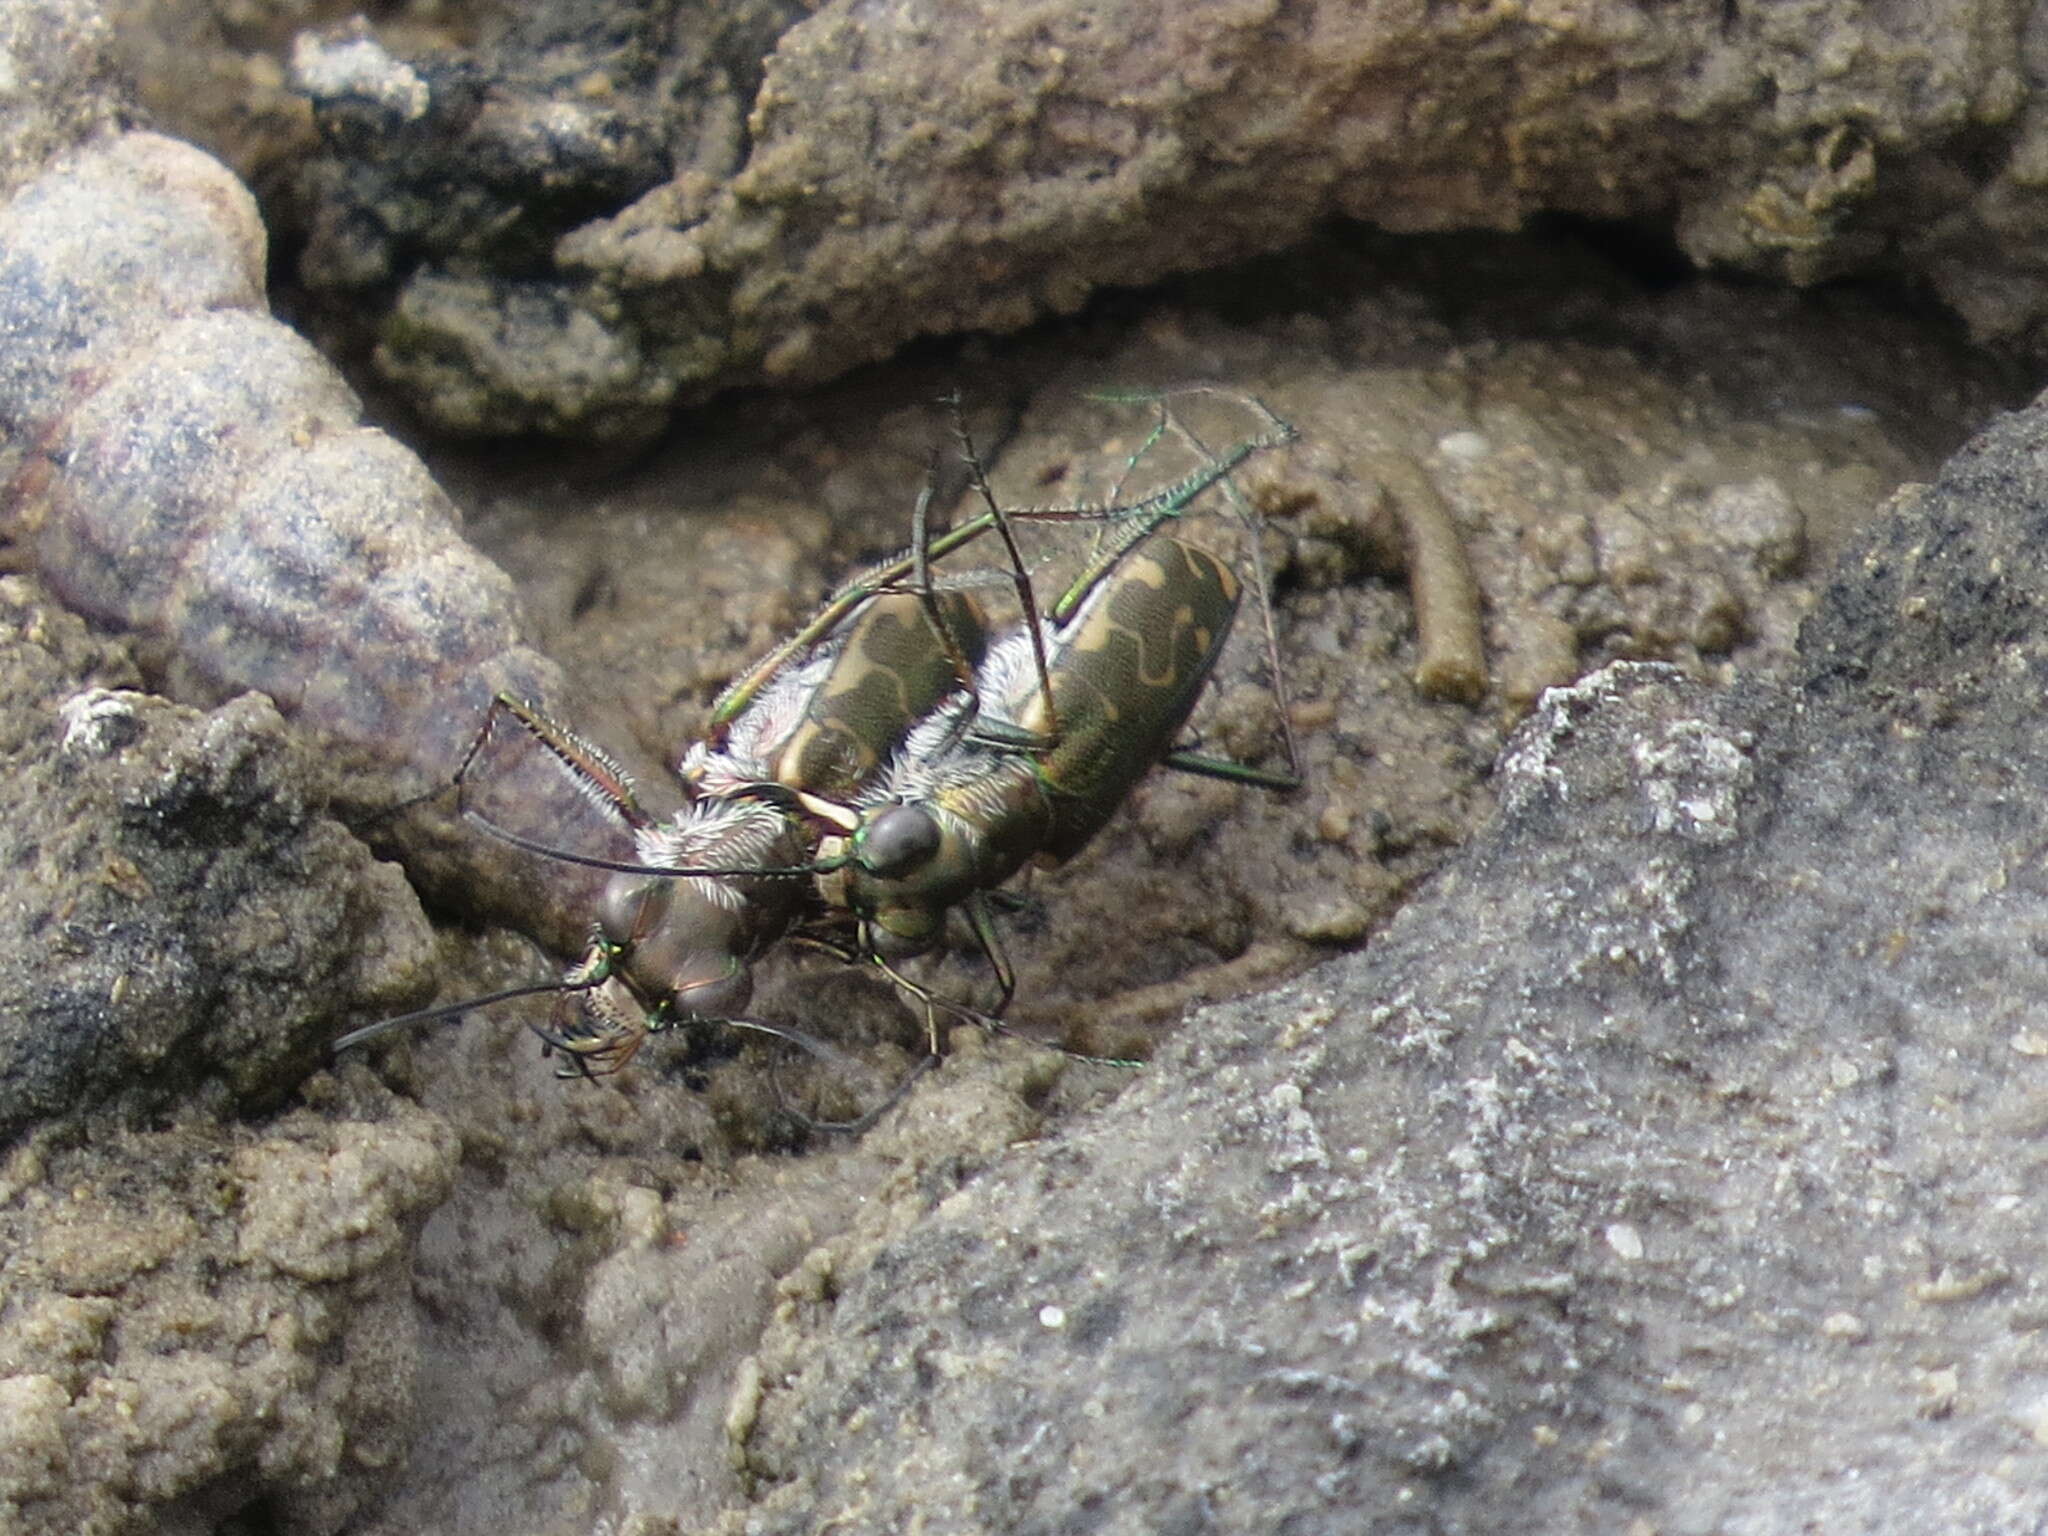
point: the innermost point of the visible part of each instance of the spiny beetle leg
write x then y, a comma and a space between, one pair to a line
1230, 770
595, 772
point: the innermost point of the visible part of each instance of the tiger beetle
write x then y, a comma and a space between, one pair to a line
948, 823
886, 764
678, 927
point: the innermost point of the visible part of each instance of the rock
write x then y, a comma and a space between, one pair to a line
594, 213
182, 466
183, 920
235, 1327
62, 82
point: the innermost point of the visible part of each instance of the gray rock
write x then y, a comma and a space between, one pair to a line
59, 81
183, 921
596, 212
202, 1319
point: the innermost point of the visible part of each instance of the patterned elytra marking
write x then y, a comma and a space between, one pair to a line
1125, 676
1136, 643
1124, 670
893, 670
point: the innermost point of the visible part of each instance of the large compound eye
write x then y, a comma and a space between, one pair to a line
692, 962
898, 841
633, 906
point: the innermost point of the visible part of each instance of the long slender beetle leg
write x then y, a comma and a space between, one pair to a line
593, 771
927, 589
1231, 771
1262, 582
866, 1120
478, 740
988, 938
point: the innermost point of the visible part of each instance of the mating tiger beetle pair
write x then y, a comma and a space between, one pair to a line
895, 760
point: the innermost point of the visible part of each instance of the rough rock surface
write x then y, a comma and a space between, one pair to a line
588, 215
187, 1300
181, 923
1672, 1162
72, 87
202, 1320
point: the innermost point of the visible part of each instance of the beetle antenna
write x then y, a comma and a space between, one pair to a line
542, 850
356, 1037
1020, 572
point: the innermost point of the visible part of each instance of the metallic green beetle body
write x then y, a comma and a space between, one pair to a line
826, 722
1129, 667
949, 822
1124, 523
